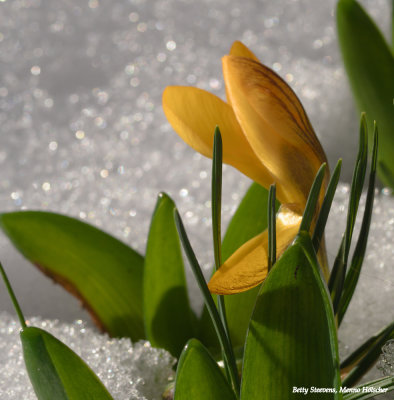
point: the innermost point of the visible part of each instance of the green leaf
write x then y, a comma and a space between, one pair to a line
338, 273
366, 356
227, 351
312, 200
217, 197
56, 372
370, 67
359, 253
382, 383
99, 269
198, 376
271, 228
249, 220
326, 207
353, 359
216, 201
167, 314
292, 335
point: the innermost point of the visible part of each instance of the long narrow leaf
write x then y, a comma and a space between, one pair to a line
351, 361
368, 359
167, 313
227, 350
326, 207
248, 221
217, 197
216, 201
338, 274
104, 273
14, 300
313, 197
382, 385
359, 253
271, 228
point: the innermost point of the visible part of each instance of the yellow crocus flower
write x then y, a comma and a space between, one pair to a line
267, 136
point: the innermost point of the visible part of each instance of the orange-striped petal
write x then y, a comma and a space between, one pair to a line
238, 49
248, 266
194, 114
276, 126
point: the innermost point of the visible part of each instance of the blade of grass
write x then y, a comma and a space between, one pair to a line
14, 300
383, 383
217, 196
368, 360
247, 222
326, 206
271, 227
357, 183
227, 350
337, 277
312, 200
216, 202
361, 351
359, 252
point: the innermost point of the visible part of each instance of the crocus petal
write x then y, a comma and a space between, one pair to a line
194, 114
248, 266
275, 124
238, 49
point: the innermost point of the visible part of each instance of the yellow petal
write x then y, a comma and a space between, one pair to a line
238, 49
194, 114
248, 266
275, 124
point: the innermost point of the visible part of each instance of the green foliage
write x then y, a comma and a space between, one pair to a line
216, 201
312, 200
382, 383
359, 252
338, 273
292, 335
271, 227
369, 64
220, 329
56, 372
249, 220
326, 207
167, 314
99, 269
289, 320
366, 356
199, 377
